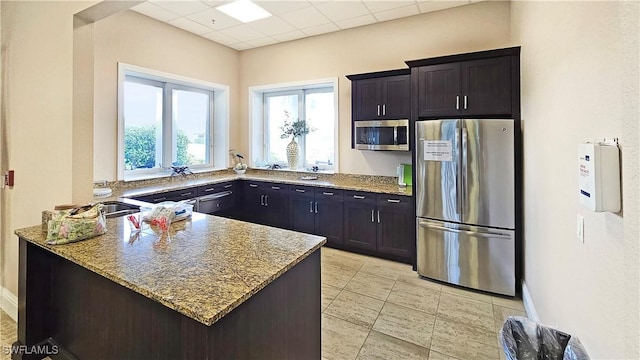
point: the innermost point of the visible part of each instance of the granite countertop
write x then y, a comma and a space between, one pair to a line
376, 184
203, 268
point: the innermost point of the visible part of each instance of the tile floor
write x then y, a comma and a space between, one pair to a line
379, 309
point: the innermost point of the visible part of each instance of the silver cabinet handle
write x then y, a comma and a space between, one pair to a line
378, 110
372, 215
378, 216
275, 187
266, 200
262, 200
457, 102
160, 199
327, 193
465, 102
316, 207
301, 190
228, 186
393, 201
186, 194
209, 189
311, 206
384, 109
358, 197
466, 232
253, 185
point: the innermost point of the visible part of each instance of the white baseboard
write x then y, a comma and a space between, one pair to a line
528, 303
9, 304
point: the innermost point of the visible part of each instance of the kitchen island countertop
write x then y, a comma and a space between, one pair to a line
203, 268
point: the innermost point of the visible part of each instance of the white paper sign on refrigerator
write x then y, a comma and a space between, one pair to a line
438, 150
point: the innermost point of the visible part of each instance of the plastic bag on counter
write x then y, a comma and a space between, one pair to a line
76, 224
524, 339
164, 213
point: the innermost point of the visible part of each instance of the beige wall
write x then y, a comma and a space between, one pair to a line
580, 82
37, 54
376, 47
139, 40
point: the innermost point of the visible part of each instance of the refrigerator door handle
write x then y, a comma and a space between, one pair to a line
457, 179
463, 187
466, 232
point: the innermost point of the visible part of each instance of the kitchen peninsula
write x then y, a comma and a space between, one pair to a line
212, 288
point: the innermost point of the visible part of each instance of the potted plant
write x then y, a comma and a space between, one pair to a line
293, 128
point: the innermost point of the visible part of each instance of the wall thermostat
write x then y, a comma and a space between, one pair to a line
599, 175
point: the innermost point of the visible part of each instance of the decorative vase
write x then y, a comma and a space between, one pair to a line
293, 150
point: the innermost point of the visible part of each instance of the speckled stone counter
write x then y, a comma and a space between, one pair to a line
203, 268
209, 288
376, 184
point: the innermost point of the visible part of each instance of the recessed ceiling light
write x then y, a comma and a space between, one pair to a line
244, 10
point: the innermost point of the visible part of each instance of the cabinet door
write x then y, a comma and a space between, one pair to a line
396, 97
439, 90
486, 83
329, 220
276, 205
395, 229
366, 99
301, 213
359, 227
253, 203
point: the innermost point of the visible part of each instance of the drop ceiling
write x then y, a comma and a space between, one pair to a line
291, 20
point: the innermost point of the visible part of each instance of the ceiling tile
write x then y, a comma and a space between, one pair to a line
220, 38
222, 20
341, 10
376, 6
272, 25
241, 46
397, 13
154, 11
189, 25
321, 29
290, 36
282, 7
242, 33
182, 8
433, 5
305, 18
355, 22
262, 42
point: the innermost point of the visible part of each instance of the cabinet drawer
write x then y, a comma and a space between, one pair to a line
360, 196
276, 187
209, 189
391, 200
329, 194
301, 190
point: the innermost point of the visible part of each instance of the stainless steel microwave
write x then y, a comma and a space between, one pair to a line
381, 135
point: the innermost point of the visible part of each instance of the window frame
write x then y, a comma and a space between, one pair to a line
258, 109
217, 123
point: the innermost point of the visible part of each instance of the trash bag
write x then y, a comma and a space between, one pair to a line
524, 339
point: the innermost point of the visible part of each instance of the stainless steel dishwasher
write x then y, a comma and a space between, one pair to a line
219, 201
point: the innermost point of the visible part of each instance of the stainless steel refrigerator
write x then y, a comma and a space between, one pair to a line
465, 204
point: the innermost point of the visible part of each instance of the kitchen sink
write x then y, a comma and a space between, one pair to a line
117, 208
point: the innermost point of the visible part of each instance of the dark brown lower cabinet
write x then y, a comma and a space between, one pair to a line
381, 223
317, 211
266, 203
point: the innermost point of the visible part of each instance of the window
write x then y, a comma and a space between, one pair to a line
314, 102
168, 122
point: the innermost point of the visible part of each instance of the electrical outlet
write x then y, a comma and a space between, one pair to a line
580, 228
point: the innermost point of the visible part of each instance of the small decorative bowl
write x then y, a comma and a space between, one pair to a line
240, 171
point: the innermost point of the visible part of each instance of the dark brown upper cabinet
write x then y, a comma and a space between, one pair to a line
382, 95
475, 84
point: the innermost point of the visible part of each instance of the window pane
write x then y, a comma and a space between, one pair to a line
142, 126
276, 106
191, 119
320, 117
